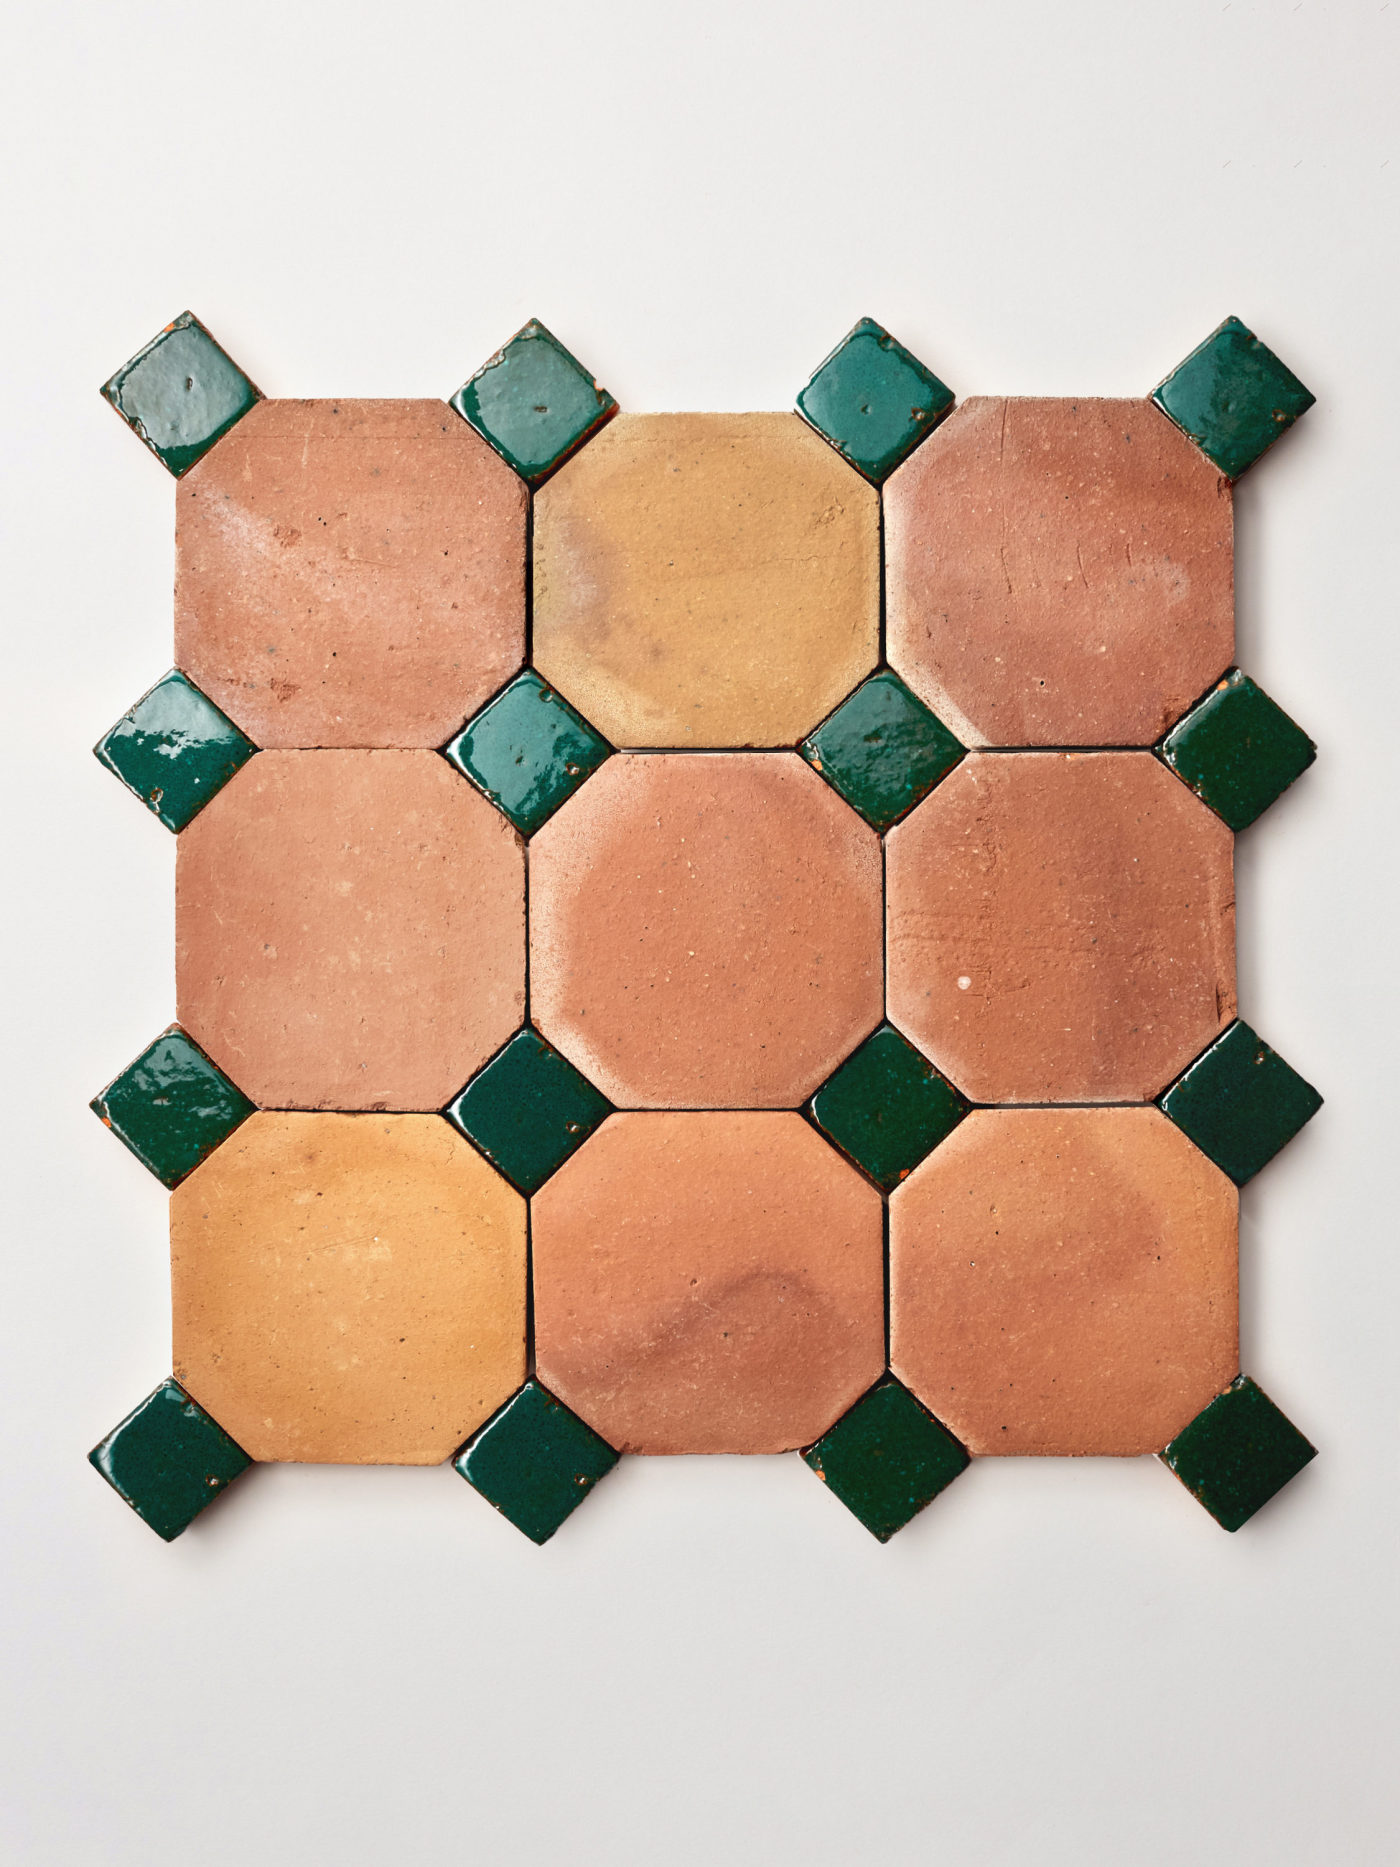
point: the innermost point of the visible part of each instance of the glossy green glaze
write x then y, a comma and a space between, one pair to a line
1238, 1453
168, 1459
174, 749
528, 1110
172, 1106
181, 393
535, 1461
527, 750
883, 750
534, 403
887, 1458
1233, 397
873, 400
887, 1107
1237, 750
1240, 1102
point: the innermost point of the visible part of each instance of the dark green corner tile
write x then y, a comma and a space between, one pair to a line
873, 400
883, 750
181, 393
887, 1458
168, 1459
172, 1106
887, 1107
528, 751
1237, 750
535, 1461
1238, 1453
1240, 1102
174, 749
534, 403
1233, 397
528, 1110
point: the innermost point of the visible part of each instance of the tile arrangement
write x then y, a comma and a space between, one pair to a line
704, 933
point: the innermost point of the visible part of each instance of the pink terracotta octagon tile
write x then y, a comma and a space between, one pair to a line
350, 573
708, 1283
705, 930
1064, 1281
1061, 927
350, 930
1059, 572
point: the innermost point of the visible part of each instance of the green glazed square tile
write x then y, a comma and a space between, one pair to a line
1237, 1453
883, 750
887, 1107
1237, 750
528, 1110
887, 1458
1233, 397
181, 393
873, 400
534, 403
1240, 1102
174, 749
168, 1459
528, 751
172, 1106
535, 1461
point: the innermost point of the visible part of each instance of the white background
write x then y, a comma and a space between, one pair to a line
1060, 1662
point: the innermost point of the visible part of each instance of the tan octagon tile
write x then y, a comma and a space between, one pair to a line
708, 1283
705, 930
1059, 572
1061, 926
706, 580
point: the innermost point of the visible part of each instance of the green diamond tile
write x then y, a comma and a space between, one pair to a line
528, 751
172, 1106
1233, 397
535, 1461
528, 1110
1240, 1102
887, 1107
887, 1458
1238, 1453
1237, 750
534, 403
181, 393
174, 749
168, 1459
883, 750
873, 400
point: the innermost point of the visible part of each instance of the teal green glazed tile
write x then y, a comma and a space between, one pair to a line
874, 400
181, 393
535, 1461
174, 749
887, 1107
528, 751
887, 1458
1238, 1453
883, 750
1240, 1102
1237, 750
534, 403
528, 1110
168, 1459
172, 1106
1233, 397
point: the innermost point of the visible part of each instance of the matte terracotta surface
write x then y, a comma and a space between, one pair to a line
1065, 1281
350, 573
348, 1289
350, 930
705, 930
1061, 927
708, 1283
706, 580
1059, 572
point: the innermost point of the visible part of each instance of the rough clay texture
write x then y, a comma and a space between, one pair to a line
1061, 927
706, 580
1065, 1281
348, 1289
1059, 572
705, 931
350, 573
350, 930
708, 1283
